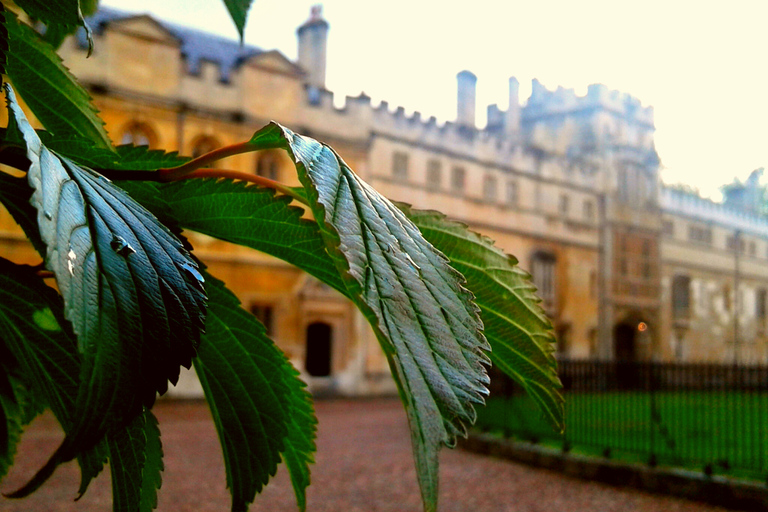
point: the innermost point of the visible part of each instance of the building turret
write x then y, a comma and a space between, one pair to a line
313, 45
467, 82
512, 122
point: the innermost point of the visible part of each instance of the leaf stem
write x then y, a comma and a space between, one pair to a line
237, 175
174, 173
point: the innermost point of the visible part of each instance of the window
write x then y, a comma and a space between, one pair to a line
458, 178
203, 145
489, 187
268, 166
512, 193
700, 234
564, 204
681, 296
731, 243
400, 165
265, 314
543, 274
589, 210
434, 174
139, 134
752, 249
668, 228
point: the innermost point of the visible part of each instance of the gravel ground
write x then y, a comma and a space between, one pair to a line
363, 464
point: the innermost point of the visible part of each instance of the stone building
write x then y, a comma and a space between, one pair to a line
569, 184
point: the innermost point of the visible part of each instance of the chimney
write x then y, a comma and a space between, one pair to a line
466, 99
512, 122
313, 43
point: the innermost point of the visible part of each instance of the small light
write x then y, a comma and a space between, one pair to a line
642, 327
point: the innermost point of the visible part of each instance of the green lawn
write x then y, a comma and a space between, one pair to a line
727, 430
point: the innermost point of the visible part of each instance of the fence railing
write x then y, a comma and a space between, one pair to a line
708, 417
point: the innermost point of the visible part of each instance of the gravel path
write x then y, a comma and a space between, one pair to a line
363, 464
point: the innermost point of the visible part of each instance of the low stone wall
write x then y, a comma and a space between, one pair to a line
725, 492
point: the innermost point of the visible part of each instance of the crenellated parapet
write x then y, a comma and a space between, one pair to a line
693, 206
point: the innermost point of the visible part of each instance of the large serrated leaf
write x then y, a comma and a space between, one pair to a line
48, 88
423, 316
18, 407
136, 463
258, 405
131, 291
238, 10
245, 215
519, 332
36, 335
14, 195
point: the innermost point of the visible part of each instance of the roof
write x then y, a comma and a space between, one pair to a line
196, 45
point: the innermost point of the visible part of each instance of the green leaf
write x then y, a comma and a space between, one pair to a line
423, 316
14, 195
3, 42
18, 407
39, 338
136, 463
48, 88
245, 215
300, 444
238, 10
132, 292
258, 405
64, 15
519, 332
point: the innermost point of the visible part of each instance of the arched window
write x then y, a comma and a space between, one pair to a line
319, 349
204, 144
139, 134
543, 265
268, 165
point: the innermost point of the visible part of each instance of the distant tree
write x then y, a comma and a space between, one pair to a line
132, 303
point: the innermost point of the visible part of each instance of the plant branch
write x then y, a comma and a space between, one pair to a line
237, 175
174, 173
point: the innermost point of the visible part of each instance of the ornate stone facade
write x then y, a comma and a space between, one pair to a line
569, 184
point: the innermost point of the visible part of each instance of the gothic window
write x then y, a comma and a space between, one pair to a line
400, 165
681, 296
265, 314
489, 188
268, 166
203, 145
543, 265
139, 134
434, 174
458, 178
512, 193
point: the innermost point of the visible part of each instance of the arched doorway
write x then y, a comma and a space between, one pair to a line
624, 342
625, 355
319, 349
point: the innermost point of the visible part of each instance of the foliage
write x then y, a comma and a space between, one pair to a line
132, 304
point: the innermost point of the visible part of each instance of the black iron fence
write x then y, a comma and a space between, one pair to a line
708, 417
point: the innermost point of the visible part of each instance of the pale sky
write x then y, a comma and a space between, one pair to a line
702, 65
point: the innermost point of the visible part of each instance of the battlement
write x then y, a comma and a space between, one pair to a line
691, 205
544, 102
